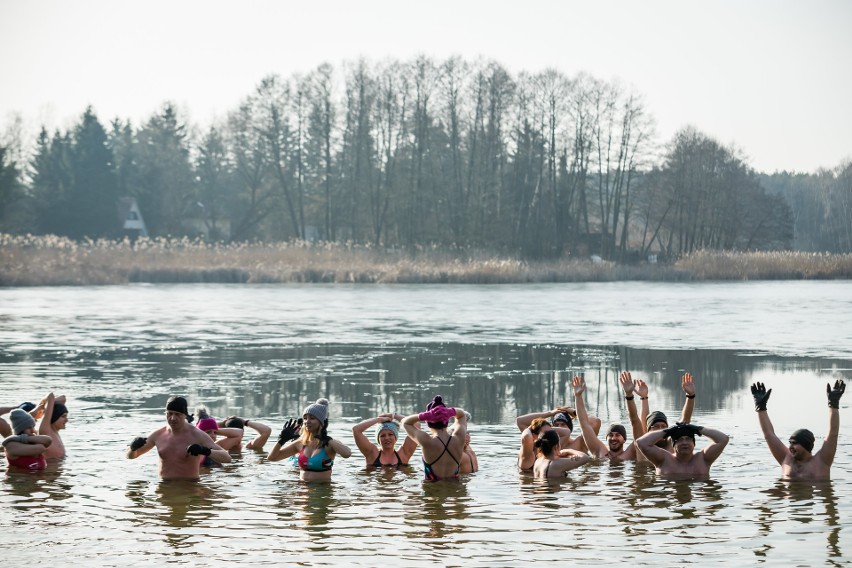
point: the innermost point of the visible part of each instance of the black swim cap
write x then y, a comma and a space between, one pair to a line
804, 438
58, 410
563, 416
178, 404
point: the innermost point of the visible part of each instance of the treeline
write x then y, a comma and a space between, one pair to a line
404, 154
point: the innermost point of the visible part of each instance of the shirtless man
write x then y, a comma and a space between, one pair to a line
179, 444
683, 460
616, 434
654, 420
796, 460
532, 425
54, 419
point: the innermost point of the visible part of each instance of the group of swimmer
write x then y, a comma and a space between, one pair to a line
547, 450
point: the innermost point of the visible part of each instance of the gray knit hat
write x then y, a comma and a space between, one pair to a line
318, 410
21, 420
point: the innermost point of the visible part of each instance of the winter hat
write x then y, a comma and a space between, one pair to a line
58, 410
318, 410
207, 424
21, 420
392, 426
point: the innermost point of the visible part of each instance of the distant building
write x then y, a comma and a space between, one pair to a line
130, 218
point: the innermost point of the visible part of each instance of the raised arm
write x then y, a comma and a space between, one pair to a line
365, 446
647, 443
688, 386
776, 446
45, 427
523, 422
413, 432
629, 388
714, 450
595, 446
288, 443
563, 464
263, 433
829, 446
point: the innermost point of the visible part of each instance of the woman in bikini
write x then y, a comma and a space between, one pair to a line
549, 463
442, 451
385, 453
309, 439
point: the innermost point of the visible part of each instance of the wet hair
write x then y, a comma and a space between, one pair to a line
235, 423
546, 442
536, 424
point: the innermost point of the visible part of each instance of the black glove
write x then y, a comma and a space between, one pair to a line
694, 428
761, 396
290, 431
137, 443
835, 393
670, 430
198, 450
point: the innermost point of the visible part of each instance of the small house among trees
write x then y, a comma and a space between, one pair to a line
130, 217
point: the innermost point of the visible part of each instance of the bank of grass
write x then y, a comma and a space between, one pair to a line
54, 261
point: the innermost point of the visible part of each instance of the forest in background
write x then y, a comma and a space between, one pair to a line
403, 154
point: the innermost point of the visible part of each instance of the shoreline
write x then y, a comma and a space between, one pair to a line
54, 261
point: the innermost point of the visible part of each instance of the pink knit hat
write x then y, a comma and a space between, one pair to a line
206, 424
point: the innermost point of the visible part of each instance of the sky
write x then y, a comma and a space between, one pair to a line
769, 77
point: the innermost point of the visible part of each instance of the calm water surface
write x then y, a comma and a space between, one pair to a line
498, 351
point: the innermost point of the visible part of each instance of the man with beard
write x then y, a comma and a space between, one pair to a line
616, 434
683, 460
179, 443
796, 460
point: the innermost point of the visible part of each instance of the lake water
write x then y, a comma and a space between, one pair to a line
264, 352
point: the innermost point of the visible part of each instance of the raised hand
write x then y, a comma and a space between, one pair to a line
290, 431
579, 386
835, 393
627, 383
688, 385
694, 428
138, 442
761, 396
641, 388
198, 450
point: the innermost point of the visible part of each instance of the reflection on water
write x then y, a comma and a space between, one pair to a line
118, 368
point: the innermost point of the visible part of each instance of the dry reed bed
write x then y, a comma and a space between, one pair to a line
49, 260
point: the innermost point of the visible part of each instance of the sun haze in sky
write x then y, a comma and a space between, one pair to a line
770, 77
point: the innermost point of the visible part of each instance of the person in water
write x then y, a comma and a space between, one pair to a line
231, 431
442, 450
179, 444
309, 439
226, 438
657, 420
55, 418
5, 428
796, 458
385, 453
683, 460
616, 434
25, 450
553, 462
532, 425
469, 461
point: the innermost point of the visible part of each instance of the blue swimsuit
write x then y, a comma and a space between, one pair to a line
317, 462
